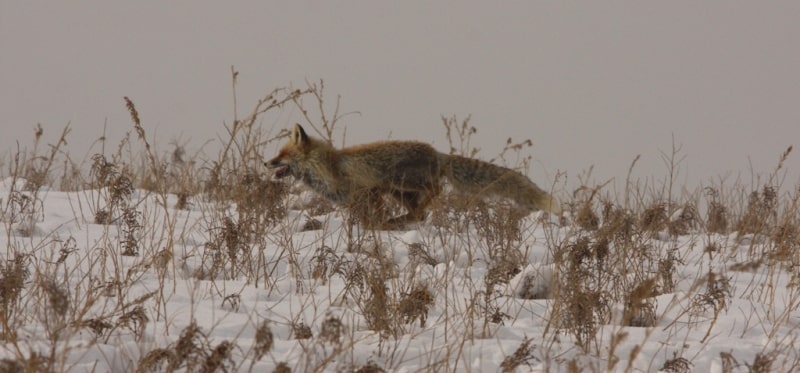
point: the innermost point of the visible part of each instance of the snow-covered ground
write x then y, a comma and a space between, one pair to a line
198, 295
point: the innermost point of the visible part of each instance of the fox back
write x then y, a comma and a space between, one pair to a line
340, 175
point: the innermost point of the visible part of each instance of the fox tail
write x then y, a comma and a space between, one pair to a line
479, 178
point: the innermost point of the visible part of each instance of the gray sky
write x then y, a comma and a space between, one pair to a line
591, 83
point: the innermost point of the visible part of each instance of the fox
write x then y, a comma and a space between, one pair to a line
410, 172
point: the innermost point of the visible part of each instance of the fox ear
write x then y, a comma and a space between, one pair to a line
299, 136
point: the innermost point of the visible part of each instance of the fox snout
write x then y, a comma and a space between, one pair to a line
281, 168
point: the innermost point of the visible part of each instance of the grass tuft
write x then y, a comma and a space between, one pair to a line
168, 260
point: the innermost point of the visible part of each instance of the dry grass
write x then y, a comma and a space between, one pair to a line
603, 276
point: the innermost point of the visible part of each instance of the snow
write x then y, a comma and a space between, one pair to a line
277, 284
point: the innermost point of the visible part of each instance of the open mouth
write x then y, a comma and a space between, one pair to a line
281, 172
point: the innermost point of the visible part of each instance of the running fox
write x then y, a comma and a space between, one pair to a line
411, 172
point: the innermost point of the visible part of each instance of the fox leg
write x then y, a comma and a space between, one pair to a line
367, 208
415, 203
410, 201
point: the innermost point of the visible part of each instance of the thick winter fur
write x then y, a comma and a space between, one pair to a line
410, 172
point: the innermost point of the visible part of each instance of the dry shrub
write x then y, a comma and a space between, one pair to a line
677, 364
183, 201
785, 242
654, 218
667, 267
237, 175
33, 363
233, 249
613, 263
717, 220
117, 183
729, 363
12, 366
640, 308
491, 311
497, 221
332, 330
229, 251
365, 280
657, 218
500, 272
717, 215
584, 215
68, 247
618, 224
499, 225
263, 340
130, 231
325, 263
232, 301
97, 325
24, 209
449, 211
189, 346
417, 254
369, 367
748, 266
312, 225
415, 304
260, 200
522, 355
219, 359
282, 367
12, 280
760, 211
37, 167
191, 352
301, 331
762, 363
135, 320
377, 306
57, 305
579, 304
157, 360
684, 221
584, 310
717, 296
503, 269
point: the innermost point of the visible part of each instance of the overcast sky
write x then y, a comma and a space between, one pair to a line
591, 83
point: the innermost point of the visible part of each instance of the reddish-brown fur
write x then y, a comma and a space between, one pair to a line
410, 172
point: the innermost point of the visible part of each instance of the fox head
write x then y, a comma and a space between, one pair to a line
284, 162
